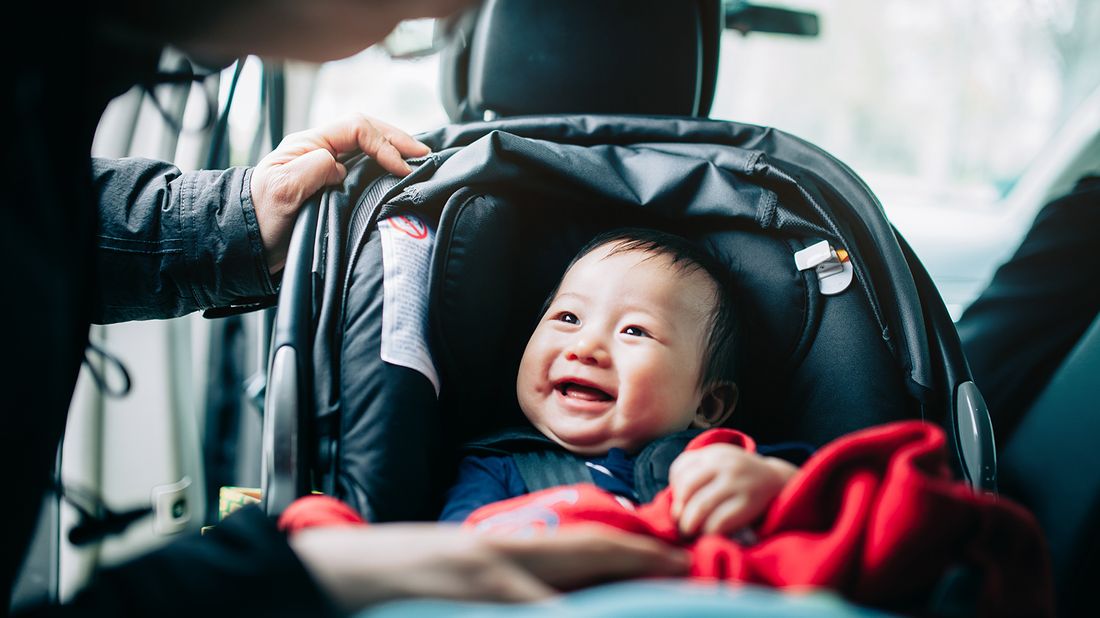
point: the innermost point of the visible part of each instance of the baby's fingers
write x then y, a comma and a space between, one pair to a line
729, 516
701, 505
685, 480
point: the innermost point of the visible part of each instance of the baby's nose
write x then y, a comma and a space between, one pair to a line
588, 351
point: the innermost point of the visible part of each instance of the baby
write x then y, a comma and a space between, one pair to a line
635, 347
637, 343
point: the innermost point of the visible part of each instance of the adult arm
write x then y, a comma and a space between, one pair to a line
364, 565
1036, 307
246, 567
170, 243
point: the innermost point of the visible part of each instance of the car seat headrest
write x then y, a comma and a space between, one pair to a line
517, 57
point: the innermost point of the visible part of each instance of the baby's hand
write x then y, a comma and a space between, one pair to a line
721, 488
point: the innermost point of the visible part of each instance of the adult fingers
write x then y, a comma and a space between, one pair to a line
612, 554
389, 158
382, 141
591, 554
501, 583
404, 143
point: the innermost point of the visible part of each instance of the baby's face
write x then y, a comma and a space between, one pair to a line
616, 360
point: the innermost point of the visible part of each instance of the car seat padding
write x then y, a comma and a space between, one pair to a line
504, 255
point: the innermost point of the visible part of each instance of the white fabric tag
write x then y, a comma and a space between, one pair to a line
407, 243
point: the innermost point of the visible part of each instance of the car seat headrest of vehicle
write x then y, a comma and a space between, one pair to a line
577, 56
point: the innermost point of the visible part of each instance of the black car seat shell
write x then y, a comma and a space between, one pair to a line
512, 200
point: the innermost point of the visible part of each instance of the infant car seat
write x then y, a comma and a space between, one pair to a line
406, 303
501, 207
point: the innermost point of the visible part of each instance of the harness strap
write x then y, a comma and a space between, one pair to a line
546, 469
652, 464
543, 464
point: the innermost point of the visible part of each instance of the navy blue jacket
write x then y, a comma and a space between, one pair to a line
483, 479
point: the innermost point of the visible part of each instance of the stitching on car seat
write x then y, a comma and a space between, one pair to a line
768, 209
750, 163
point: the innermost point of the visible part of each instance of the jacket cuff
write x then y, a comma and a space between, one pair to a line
227, 262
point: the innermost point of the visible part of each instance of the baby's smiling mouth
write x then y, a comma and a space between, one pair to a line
583, 392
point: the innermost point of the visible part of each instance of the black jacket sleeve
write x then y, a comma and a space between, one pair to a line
170, 243
243, 567
1037, 306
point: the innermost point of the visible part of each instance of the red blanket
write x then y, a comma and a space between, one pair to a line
875, 515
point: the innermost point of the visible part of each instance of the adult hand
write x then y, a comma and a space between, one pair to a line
721, 488
583, 555
359, 566
306, 161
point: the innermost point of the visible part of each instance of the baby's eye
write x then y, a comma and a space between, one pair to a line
567, 317
635, 331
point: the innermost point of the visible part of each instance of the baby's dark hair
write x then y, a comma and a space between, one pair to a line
720, 356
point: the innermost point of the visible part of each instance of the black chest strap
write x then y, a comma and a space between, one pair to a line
544, 464
545, 469
652, 464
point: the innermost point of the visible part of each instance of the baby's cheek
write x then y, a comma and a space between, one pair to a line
640, 425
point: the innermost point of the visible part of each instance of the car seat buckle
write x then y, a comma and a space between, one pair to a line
833, 266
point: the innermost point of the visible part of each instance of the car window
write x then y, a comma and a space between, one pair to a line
936, 100
941, 106
404, 93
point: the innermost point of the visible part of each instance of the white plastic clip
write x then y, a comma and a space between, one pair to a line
834, 269
171, 513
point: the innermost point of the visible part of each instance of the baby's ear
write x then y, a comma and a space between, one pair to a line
716, 406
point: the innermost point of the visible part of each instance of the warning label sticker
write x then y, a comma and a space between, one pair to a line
407, 243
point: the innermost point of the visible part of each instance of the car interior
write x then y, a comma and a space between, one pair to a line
548, 123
